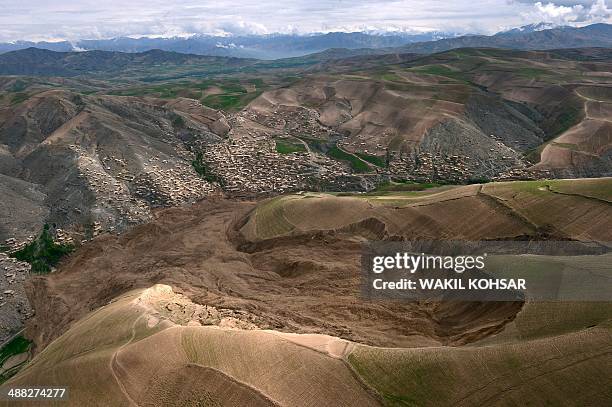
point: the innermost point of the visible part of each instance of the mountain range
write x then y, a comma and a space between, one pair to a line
533, 36
249, 46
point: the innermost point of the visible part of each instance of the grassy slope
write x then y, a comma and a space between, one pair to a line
270, 220
570, 369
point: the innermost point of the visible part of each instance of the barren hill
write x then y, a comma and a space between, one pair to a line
253, 290
98, 162
241, 256
490, 113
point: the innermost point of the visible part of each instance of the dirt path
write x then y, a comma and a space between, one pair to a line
586, 103
114, 361
546, 154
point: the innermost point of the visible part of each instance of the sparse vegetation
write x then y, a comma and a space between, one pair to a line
535, 73
270, 219
440, 70
389, 76
406, 186
43, 253
19, 97
18, 86
178, 122
229, 101
477, 180
16, 346
199, 165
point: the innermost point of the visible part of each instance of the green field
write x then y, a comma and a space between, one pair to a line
439, 70
373, 159
284, 147
356, 164
15, 347
43, 253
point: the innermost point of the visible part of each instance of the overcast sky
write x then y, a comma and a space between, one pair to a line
88, 19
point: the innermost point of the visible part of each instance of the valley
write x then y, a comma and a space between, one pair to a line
102, 161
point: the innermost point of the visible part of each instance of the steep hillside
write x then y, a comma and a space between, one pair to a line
98, 163
468, 113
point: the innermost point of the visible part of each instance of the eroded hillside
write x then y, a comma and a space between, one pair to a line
251, 290
98, 162
294, 261
466, 113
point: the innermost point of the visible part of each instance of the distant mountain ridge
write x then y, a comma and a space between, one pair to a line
279, 46
529, 28
250, 46
42, 62
591, 36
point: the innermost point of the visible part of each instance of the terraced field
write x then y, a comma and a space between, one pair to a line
133, 351
135, 355
561, 208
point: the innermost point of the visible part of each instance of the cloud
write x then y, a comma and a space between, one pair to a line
568, 3
596, 11
568, 11
90, 19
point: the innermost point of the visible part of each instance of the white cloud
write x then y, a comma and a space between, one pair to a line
552, 12
82, 19
567, 13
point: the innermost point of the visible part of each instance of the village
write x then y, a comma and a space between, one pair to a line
248, 163
14, 306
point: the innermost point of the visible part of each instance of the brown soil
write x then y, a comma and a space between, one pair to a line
299, 284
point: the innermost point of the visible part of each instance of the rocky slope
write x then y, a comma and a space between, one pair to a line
98, 163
